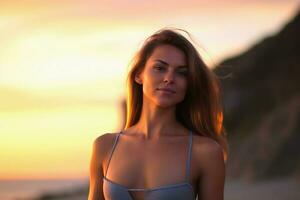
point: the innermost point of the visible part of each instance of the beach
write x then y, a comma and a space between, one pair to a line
277, 189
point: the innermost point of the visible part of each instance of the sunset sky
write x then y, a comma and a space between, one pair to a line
63, 66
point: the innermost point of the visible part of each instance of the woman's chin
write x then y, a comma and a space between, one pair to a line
166, 104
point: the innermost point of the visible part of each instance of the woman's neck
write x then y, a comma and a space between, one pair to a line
156, 122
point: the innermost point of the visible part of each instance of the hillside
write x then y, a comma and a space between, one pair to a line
261, 95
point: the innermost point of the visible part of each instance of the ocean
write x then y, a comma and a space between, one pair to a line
29, 189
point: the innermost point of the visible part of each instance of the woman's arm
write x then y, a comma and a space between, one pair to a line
212, 166
96, 170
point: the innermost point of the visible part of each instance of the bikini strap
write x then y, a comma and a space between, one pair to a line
188, 164
111, 152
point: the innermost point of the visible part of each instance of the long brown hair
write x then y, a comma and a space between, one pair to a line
201, 111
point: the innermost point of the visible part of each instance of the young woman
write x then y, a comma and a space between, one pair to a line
173, 146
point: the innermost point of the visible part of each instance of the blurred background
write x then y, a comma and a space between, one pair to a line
63, 67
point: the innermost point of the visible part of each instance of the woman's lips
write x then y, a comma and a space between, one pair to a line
167, 90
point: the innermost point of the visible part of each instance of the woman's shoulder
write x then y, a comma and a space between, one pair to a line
103, 143
204, 143
104, 140
206, 149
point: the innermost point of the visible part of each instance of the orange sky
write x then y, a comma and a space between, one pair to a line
63, 66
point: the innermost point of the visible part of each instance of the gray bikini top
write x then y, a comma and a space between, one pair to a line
179, 191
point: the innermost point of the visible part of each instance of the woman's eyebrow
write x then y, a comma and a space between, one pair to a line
165, 63
161, 61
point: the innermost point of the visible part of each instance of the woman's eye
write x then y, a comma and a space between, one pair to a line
183, 72
158, 67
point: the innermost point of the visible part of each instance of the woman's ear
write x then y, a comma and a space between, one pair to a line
138, 79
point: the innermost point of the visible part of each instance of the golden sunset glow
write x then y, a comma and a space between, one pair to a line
63, 67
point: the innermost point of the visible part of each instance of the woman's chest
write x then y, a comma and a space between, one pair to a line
145, 164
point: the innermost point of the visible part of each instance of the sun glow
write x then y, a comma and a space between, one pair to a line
63, 67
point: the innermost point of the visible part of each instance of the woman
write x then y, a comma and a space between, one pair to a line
173, 146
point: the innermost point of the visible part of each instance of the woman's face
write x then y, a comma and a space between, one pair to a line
164, 77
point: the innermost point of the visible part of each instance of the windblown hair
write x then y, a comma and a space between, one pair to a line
201, 111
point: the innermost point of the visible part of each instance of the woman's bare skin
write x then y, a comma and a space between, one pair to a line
153, 152
207, 174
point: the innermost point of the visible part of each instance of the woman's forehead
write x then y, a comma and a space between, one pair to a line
168, 54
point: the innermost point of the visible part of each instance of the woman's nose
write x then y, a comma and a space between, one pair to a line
169, 77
